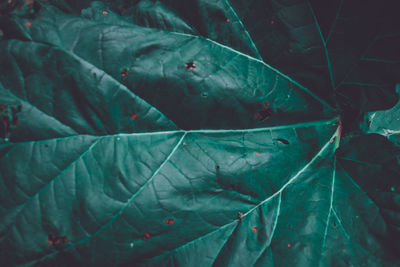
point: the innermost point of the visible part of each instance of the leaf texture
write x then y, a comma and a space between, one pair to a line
155, 133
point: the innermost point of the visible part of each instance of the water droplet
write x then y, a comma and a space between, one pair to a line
131, 245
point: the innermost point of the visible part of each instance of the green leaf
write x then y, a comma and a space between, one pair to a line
386, 122
157, 136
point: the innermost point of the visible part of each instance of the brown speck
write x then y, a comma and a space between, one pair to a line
208, 63
190, 66
54, 240
332, 139
254, 229
228, 20
284, 141
124, 73
146, 236
217, 167
134, 116
289, 245
169, 221
240, 215
204, 95
105, 13
272, 22
28, 24
263, 114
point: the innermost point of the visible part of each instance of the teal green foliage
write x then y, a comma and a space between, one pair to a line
199, 133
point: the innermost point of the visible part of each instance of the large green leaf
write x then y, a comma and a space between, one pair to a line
156, 135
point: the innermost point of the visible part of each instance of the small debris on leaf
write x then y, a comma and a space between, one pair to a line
28, 24
263, 114
134, 116
190, 66
124, 72
284, 141
54, 240
289, 245
254, 229
204, 95
146, 236
105, 13
169, 221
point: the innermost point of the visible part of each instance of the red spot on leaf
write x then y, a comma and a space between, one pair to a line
28, 24
184, 144
228, 20
256, 154
124, 72
105, 13
146, 236
332, 139
208, 63
340, 128
134, 116
263, 114
266, 104
190, 66
289, 245
284, 141
254, 229
169, 221
54, 240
